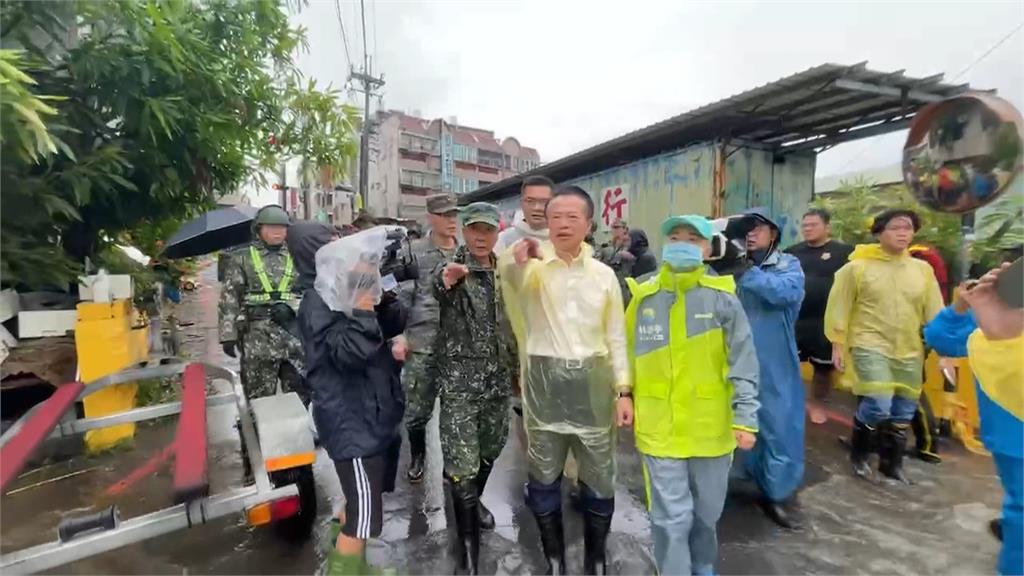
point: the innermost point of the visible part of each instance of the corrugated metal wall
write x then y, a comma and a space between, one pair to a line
682, 182
785, 187
677, 182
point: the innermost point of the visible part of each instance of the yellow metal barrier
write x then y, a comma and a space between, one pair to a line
106, 343
960, 407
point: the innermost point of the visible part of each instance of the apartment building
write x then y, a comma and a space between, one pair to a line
412, 158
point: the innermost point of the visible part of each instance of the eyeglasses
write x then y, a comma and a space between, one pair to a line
535, 202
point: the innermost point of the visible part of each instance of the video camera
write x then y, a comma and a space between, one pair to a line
729, 246
397, 262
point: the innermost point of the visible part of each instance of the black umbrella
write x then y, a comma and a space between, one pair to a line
215, 230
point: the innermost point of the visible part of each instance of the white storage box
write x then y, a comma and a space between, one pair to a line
42, 323
9, 305
121, 287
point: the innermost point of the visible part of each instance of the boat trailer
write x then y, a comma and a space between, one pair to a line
277, 446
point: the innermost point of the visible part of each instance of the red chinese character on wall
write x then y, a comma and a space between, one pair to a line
613, 205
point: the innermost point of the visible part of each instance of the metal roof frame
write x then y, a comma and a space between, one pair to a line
811, 110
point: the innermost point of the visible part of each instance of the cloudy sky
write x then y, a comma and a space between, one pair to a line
563, 75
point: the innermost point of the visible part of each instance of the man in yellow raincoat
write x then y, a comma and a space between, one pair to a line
878, 304
566, 311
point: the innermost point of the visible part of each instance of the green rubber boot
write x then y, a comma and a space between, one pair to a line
339, 564
333, 530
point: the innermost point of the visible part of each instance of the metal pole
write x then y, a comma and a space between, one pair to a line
966, 239
364, 147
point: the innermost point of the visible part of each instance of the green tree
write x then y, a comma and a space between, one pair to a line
855, 204
156, 108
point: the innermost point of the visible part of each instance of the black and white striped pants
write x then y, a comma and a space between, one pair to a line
363, 481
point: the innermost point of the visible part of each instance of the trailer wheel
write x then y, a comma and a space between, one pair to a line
298, 528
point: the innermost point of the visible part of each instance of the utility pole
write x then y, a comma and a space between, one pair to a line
370, 84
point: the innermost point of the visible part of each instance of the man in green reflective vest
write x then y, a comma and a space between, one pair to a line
258, 300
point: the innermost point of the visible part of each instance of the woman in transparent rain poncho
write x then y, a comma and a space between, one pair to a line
566, 310
351, 329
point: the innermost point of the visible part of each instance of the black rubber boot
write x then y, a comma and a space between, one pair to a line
467, 524
862, 444
595, 534
486, 518
892, 445
417, 454
777, 513
552, 540
995, 527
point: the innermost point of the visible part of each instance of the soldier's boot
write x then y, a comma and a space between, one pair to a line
417, 454
862, 442
891, 448
552, 540
467, 523
486, 518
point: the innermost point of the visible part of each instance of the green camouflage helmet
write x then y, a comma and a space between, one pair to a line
271, 214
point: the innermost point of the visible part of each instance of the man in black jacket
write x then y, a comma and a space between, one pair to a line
640, 248
820, 257
350, 331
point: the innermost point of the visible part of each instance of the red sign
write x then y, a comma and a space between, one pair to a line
614, 205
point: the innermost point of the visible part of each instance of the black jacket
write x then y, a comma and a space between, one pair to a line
639, 247
358, 401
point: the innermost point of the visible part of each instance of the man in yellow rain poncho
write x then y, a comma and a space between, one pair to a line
566, 310
877, 306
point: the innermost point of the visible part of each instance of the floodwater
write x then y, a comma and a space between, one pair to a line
938, 525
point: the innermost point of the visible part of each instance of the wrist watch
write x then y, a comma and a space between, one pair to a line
624, 394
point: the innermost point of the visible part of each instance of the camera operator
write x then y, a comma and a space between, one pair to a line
771, 287
351, 322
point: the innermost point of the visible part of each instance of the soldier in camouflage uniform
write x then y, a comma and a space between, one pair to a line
259, 285
617, 256
417, 296
475, 358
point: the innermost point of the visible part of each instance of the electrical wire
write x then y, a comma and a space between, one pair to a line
989, 51
373, 17
344, 36
992, 49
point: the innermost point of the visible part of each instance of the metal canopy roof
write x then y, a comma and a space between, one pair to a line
811, 110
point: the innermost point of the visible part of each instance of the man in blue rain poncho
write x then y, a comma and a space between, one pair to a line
771, 288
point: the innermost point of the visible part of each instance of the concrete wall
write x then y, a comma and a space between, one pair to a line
384, 194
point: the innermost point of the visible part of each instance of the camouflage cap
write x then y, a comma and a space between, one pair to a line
480, 212
442, 204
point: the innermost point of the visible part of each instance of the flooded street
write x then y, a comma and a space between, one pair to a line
938, 525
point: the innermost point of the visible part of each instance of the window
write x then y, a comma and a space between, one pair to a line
464, 153
415, 143
464, 185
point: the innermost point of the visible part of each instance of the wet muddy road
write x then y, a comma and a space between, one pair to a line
939, 525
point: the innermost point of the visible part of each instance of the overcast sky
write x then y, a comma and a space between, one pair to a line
562, 76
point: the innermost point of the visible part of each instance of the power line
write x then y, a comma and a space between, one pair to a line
955, 78
344, 36
373, 17
989, 51
366, 55
370, 85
